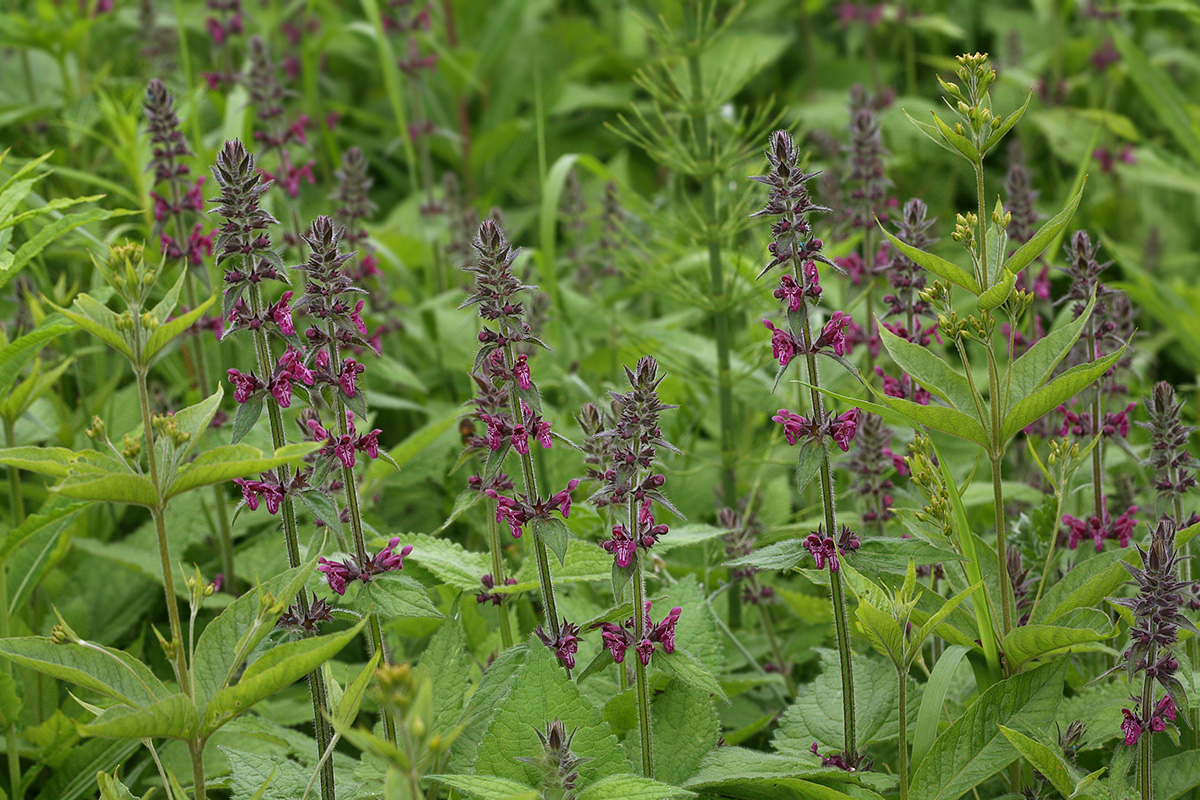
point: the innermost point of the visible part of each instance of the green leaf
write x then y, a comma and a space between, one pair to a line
76, 777
685, 728
541, 694
1158, 89
994, 296
971, 750
740, 772
278, 667
812, 455
929, 370
1029, 251
631, 787
1085, 585
172, 717
1174, 775
1006, 126
112, 673
939, 266
1034, 367
932, 699
1055, 393
255, 776
54, 519
321, 506
817, 713
53, 461
553, 532
90, 482
688, 668
956, 140
52, 231
111, 787
449, 561
395, 596
193, 421
939, 418
231, 461
237, 631
98, 320
1027, 642
1045, 759
443, 661
783, 556
247, 414
167, 331
15, 354
487, 787
356, 690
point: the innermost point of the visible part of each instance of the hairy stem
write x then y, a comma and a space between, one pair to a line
497, 553
640, 633
903, 744
1146, 761
196, 751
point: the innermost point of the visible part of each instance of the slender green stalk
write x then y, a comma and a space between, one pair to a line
196, 751
291, 538
837, 593
1006, 590
776, 650
14, 481
903, 744
640, 633
1146, 760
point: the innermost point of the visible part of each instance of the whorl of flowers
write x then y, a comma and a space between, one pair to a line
341, 573
619, 638
243, 236
867, 197
1157, 620
167, 149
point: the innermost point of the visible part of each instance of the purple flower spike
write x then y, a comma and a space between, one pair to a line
844, 428
336, 572
281, 312
245, 385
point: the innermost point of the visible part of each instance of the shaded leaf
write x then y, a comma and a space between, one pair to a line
172, 717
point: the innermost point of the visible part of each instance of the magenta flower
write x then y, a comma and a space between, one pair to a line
521, 373
356, 318
844, 427
339, 573
834, 334
566, 645
250, 491
336, 572
790, 292
793, 424
783, 344
621, 546
369, 443
562, 500
823, 549
281, 390
348, 377
1132, 727
281, 312
617, 639
1098, 529
245, 385
664, 632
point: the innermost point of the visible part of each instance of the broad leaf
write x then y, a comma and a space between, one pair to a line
686, 729
449, 561
946, 420
1006, 126
444, 663
930, 371
172, 717
1027, 642
395, 596
167, 331
971, 750
541, 694
231, 461
1174, 775
740, 772
277, 668
1084, 586
553, 532
1055, 393
15, 354
55, 519
247, 414
783, 555
53, 461
100, 321
687, 667
49, 233
488, 787
1046, 759
631, 787
112, 673
94, 483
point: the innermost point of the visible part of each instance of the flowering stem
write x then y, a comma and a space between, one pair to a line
837, 593
529, 478
291, 540
1145, 769
497, 553
356, 528
640, 633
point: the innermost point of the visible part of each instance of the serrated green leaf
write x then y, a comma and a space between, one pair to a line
278, 667
939, 418
172, 717
53, 461
687, 667
395, 596
231, 461
1084, 586
732, 770
321, 506
1045, 759
488, 787
352, 697
444, 663
542, 694
1175, 775
929, 370
783, 555
632, 787
1055, 393
255, 776
553, 532
193, 421
685, 728
971, 750
1033, 368
1049, 231
939, 266
449, 561
808, 462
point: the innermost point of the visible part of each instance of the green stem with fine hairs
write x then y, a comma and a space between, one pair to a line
640, 633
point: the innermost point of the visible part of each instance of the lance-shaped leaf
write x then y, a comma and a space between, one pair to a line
173, 717
15, 354
939, 266
47, 234
1006, 126
932, 699
956, 140
100, 321
971, 750
1042, 239
167, 331
234, 461
1085, 585
241, 627
930, 370
192, 421
247, 414
112, 673
994, 296
1047, 760
279, 667
88, 481
1034, 367
53, 461
939, 418
687, 667
1078, 629
52, 519
1055, 393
